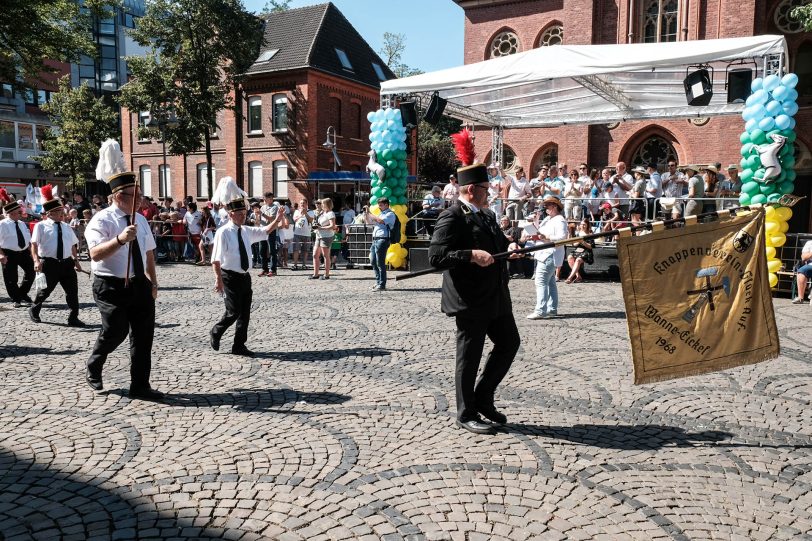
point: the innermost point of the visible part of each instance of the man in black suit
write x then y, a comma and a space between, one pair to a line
475, 291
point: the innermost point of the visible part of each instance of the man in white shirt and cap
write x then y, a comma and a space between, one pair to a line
54, 251
230, 262
15, 254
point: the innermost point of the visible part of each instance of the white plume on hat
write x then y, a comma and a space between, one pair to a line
227, 191
111, 160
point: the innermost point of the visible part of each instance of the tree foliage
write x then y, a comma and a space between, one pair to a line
275, 6
80, 122
392, 51
199, 50
436, 158
804, 15
32, 31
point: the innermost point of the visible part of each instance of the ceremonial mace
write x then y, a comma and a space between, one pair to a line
785, 201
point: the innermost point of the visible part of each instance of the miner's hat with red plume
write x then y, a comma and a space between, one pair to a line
8, 203
50, 203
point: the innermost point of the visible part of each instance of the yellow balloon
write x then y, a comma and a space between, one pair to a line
771, 227
375, 210
784, 213
403, 253
770, 252
773, 280
769, 213
783, 227
774, 265
778, 239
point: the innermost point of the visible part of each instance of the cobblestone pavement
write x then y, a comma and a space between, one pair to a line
343, 427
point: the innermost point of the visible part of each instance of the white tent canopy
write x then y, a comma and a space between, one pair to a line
592, 84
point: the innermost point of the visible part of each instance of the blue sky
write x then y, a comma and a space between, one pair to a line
434, 28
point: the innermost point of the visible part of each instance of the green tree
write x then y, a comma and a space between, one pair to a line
436, 158
80, 122
275, 6
804, 15
392, 51
32, 31
200, 50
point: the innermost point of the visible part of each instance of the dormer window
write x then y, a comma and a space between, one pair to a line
345, 61
267, 55
378, 71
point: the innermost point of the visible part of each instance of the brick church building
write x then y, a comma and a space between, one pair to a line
502, 27
314, 71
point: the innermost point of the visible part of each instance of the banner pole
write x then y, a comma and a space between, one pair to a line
606, 234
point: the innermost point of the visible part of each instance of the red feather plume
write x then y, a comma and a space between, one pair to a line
464, 146
4, 197
47, 192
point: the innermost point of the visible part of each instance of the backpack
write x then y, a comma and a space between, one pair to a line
394, 232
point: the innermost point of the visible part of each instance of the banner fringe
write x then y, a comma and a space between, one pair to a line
727, 365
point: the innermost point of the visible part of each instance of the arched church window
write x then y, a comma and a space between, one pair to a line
504, 44
654, 149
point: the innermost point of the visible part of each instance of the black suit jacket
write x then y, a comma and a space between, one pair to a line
468, 289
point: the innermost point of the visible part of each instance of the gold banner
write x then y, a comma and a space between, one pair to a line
698, 298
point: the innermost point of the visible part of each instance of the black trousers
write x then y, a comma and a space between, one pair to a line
471, 335
125, 310
63, 273
17, 260
269, 252
238, 296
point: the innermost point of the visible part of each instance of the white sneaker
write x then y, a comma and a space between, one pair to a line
534, 315
798, 300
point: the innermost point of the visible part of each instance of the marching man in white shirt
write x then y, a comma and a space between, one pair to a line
230, 262
54, 250
15, 254
126, 301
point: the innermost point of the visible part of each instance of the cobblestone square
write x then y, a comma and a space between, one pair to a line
342, 427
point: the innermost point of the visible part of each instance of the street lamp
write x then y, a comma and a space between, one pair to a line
163, 118
331, 144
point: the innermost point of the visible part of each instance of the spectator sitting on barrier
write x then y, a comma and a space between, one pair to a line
583, 253
611, 217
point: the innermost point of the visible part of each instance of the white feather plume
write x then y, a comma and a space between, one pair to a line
227, 191
111, 160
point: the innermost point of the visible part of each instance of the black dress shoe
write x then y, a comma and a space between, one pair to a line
492, 414
95, 383
17, 304
147, 393
243, 351
214, 340
476, 425
34, 315
76, 322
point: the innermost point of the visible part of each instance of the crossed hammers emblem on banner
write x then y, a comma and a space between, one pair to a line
706, 292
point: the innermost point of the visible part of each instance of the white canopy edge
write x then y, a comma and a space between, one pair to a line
599, 83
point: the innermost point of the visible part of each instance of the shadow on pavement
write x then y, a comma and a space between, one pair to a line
324, 355
44, 503
250, 400
594, 315
20, 351
624, 437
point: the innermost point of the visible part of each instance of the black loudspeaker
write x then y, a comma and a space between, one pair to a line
418, 259
738, 85
408, 114
435, 111
698, 87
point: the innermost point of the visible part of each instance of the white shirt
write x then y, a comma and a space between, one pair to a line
104, 226
192, 220
554, 228
45, 236
226, 247
347, 216
8, 235
621, 180
324, 221
672, 185
518, 188
655, 184
451, 192
301, 222
268, 212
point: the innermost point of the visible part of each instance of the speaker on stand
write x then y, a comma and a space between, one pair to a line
434, 112
738, 85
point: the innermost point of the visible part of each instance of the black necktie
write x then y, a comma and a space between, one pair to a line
58, 226
138, 263
243, 252
20, 237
